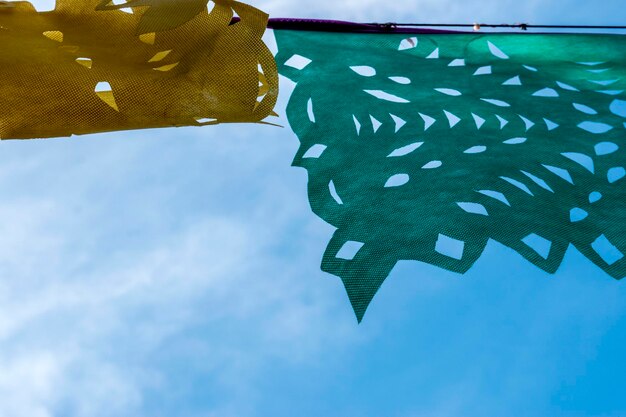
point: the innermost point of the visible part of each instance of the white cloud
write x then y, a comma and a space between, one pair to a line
112, 253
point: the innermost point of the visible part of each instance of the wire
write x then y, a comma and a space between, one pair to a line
342, 26
523, 26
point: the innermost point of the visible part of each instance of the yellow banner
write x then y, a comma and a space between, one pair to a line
91, 66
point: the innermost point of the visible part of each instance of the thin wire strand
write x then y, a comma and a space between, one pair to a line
522, 26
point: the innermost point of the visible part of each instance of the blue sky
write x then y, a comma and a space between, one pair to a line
175, 273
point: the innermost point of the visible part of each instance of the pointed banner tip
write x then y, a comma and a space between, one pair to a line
361, 291
361, 275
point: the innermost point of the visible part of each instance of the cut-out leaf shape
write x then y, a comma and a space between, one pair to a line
493, 163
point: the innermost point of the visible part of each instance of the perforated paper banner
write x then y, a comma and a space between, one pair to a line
91, 66
425, 147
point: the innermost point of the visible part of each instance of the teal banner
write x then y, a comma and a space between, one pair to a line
426, 147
